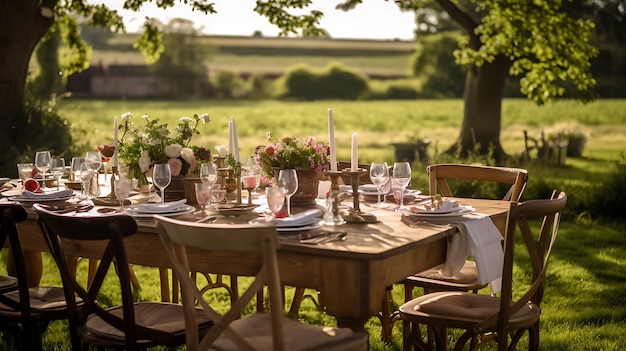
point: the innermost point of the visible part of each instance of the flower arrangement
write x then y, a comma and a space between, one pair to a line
151, 142
291, 152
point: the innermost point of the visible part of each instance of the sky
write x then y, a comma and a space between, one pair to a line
374, 19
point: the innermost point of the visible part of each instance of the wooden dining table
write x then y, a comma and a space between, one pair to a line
351, 275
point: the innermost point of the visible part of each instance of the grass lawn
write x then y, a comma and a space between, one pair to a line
585, 303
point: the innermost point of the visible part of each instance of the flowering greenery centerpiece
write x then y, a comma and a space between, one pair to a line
151, 142
291, 152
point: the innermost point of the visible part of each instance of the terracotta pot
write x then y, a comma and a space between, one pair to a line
308, 182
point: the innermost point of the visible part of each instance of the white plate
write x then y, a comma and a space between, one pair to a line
19, 198
423, 210
175, 212
464, 211
159, 208
300, 228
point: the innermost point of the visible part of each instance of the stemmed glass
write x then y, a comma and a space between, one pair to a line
57, 168
379, 175
288, 183
42, 162
208, 173
275, 199
401, 178
94, 160
161, 177
122, 190
203, 195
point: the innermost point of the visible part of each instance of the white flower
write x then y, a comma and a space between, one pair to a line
144, 116
173, 151
186, 120
144, 161
126, 116
222, 150
205, 118
187, 154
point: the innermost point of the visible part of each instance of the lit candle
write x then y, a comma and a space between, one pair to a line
331, 142
355, 157
115, 128
235, 139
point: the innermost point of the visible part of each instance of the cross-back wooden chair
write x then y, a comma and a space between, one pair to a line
254, 247
439, 176
26, 312
503, 316
130, 326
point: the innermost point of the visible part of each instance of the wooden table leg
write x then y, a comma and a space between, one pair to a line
34, 266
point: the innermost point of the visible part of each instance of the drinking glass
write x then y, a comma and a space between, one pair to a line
161, 177
400, 180
208, 173
275, 199
122, 190
379, 175
86, 175
217, 194
203, 195
75, 167
122, 169
95, 159
25, 170
288, 183
57, 168
42, 162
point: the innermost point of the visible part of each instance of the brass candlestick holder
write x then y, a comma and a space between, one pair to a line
354, 181
238, 180
114, 173
332, 216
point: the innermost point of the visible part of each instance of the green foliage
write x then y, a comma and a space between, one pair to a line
333, 82
48, 81
228, 84
38, 127
433, 62
549, 49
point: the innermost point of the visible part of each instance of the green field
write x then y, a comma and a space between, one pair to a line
584, 307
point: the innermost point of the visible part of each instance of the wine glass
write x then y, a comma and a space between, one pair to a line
75, 168
379, 175
122, 190
208, 173
400, 180
57, 168
42, 162
161, 177
275, 199
203, 195
95, 161
288, 183
25, 170
86, 175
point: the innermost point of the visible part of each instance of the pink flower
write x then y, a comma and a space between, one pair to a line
176, 166
269, 149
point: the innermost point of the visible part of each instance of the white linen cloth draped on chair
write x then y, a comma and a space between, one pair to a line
478, 237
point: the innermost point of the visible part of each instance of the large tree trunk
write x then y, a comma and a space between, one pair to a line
23, 26
484, 89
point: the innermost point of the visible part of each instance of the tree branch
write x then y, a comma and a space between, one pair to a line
463, 19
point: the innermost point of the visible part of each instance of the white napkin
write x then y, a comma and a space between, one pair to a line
47, 196
160, 207
478, 237
299, 219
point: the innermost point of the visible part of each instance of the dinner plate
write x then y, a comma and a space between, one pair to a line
234, 210
132, 211
19, 198
159, 208
465, 210
423, 210
311, 226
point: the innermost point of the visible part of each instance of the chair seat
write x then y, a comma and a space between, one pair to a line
7, 283
257, 329
432, 280
463, 310
42, 298
165, 317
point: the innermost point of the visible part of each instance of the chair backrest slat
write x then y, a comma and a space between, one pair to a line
440, 173
179, 236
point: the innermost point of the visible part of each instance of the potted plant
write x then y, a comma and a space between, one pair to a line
307, 156
146, 144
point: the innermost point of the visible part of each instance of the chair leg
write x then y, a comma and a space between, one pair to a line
298, 297
165, 285
386, 316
